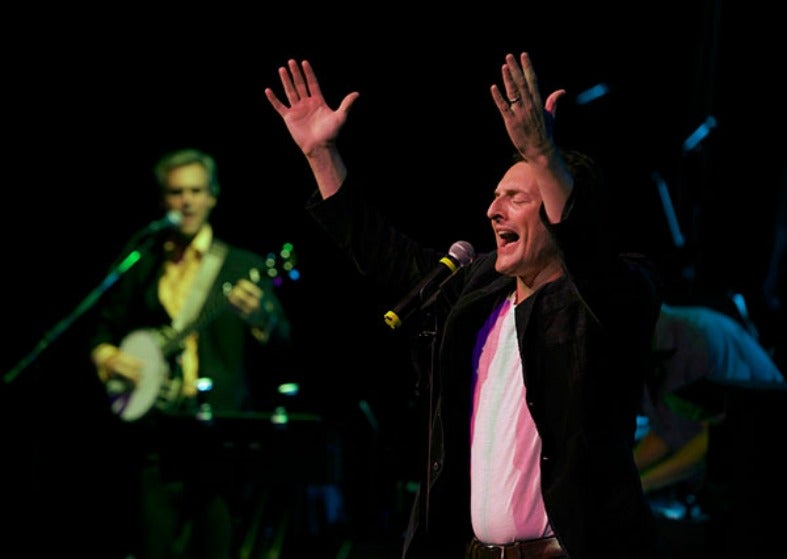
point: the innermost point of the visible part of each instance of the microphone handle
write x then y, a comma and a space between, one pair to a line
422, 293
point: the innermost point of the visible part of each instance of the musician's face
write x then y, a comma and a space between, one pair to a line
525, 248
188, 192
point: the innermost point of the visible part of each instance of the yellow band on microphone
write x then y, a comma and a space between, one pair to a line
448, 262
392, 320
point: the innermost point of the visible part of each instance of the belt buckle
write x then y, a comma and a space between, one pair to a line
499, 548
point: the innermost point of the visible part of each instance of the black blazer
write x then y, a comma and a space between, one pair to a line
226, 343
583, 346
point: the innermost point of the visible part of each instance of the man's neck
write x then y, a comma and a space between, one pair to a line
526, 286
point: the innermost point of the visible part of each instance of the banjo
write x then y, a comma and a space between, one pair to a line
160, 384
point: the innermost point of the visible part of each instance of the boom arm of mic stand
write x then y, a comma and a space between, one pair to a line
54, 333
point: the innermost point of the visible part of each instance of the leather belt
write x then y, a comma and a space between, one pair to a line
543, 548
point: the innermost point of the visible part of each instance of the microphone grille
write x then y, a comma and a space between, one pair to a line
174, 218
463, 252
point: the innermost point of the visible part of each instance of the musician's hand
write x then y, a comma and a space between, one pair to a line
245, 298
122, 365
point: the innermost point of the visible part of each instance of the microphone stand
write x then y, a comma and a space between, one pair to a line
117, 270
426, 350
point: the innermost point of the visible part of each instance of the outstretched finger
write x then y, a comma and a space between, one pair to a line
348, 101
530, 81
551, 104
513, 78
297, 79
311, 79
278, 106
501, 102
286, 82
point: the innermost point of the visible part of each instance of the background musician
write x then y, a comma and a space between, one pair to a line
232, 328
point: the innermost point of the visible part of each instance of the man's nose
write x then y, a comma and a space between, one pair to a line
493, 212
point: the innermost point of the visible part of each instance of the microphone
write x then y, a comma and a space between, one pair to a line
169, 221
460, 254
140, 241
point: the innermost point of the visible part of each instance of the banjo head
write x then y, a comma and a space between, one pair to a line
131, 402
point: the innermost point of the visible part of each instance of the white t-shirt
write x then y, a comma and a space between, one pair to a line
506, 503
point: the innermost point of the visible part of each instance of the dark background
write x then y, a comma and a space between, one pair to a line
93, 99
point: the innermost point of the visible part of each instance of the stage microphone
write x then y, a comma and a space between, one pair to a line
169, 221
460, 254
